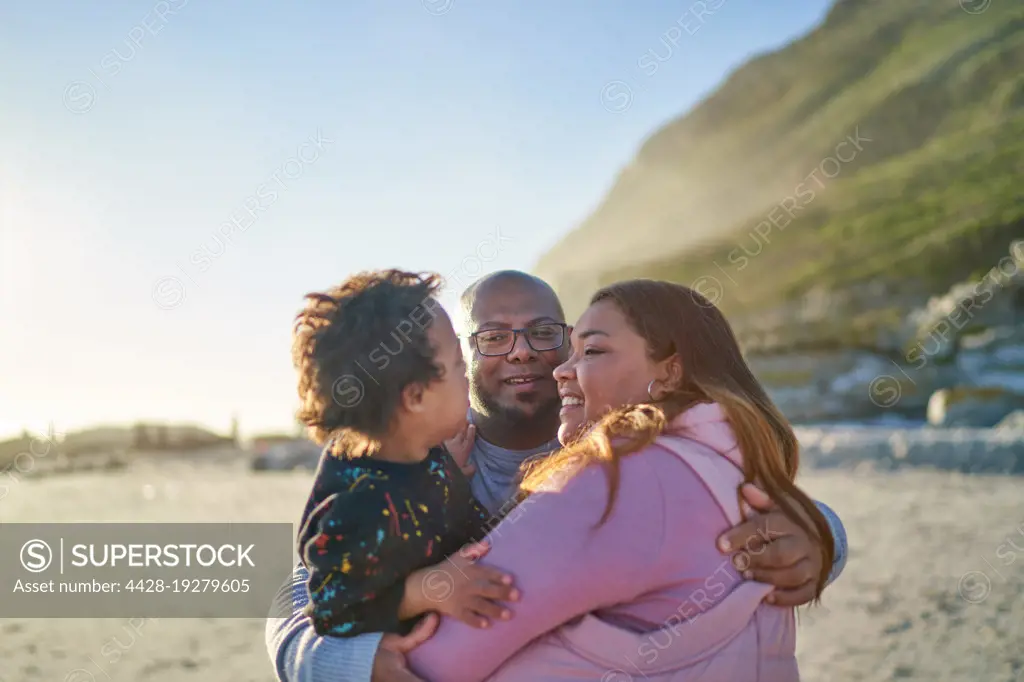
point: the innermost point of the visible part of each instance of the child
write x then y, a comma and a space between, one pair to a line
382, 381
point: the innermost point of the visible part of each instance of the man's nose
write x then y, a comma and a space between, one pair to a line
521, 351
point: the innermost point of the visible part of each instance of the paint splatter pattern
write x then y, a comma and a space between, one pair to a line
368, 524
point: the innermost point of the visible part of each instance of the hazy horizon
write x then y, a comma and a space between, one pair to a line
338, 138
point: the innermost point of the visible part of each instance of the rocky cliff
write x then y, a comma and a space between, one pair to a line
958, 360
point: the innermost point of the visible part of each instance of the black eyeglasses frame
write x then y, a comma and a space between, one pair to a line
515, 338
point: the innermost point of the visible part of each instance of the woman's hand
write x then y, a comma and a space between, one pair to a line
460, 448
770, 548
460, 588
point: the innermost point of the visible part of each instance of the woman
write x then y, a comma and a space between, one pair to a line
621, 524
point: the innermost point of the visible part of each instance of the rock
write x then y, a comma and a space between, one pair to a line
815, 386
993, 356
968, 450
847, 384
868, 354
1012, 423
977, 406
994, 300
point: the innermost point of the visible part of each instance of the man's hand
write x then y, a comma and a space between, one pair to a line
390, 665
460, 448
770, 548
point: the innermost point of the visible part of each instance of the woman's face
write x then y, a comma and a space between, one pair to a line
609, 367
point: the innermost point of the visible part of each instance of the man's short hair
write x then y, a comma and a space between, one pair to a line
469, 296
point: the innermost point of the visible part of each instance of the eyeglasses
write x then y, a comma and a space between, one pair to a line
541, 337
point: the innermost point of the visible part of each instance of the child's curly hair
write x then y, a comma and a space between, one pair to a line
358, 345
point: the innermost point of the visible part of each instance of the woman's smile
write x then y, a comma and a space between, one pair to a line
570, 401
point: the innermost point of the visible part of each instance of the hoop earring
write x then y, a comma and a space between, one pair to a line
649, 387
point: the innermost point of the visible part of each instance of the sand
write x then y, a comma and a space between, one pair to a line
929, 593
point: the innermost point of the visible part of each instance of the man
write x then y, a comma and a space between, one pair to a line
515, 344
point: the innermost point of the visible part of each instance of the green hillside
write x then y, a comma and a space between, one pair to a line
752, 188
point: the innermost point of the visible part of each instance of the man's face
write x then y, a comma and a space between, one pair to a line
517, 385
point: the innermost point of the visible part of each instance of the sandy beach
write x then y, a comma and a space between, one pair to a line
933, 591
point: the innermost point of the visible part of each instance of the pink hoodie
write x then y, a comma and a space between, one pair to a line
647, 596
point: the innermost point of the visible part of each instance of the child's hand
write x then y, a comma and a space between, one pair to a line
460, 448
463, 589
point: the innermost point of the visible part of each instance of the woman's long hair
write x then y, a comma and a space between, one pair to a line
675, 320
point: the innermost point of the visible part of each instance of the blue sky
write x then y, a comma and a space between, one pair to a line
336, 136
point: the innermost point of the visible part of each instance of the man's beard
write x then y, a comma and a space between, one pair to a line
514, 415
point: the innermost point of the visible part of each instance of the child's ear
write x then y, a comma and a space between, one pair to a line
412, 397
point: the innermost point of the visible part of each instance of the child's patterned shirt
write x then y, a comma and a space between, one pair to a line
369, 524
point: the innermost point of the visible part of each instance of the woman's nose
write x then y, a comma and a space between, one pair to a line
566, 371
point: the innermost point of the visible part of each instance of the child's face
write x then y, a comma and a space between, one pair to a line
447, 399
